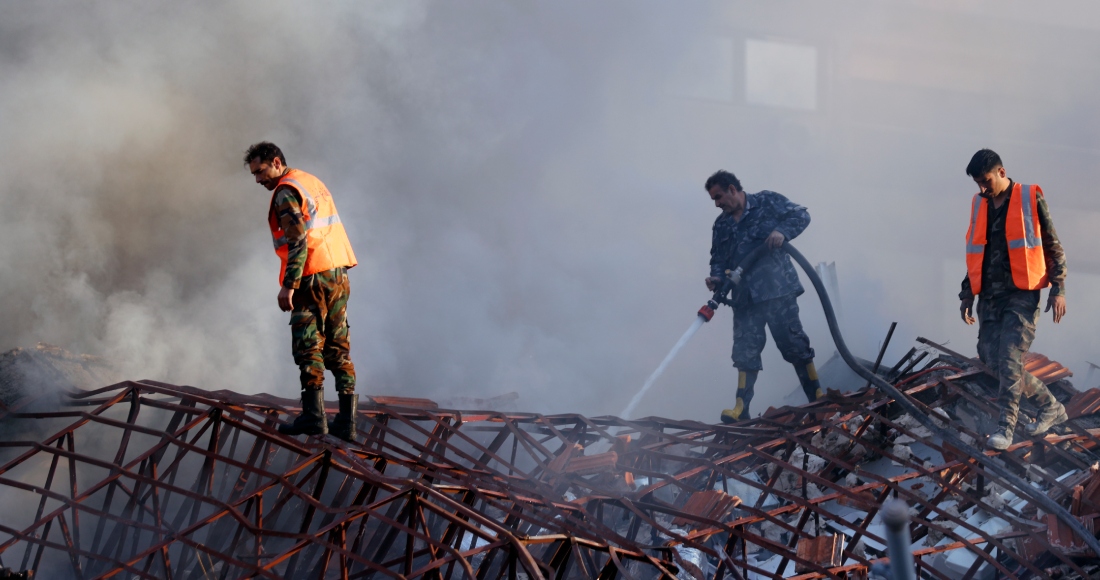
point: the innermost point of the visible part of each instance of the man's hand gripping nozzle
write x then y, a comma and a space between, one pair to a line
721, 293
725, 284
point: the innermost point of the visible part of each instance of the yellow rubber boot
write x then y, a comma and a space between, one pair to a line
746, 380
807, 377
734, 415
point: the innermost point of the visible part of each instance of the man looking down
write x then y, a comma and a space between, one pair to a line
314, 255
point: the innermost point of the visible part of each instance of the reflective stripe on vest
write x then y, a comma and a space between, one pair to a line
1022, 234
327, 244
1030, 239
972, 245
325, 221
314, 222
311, 206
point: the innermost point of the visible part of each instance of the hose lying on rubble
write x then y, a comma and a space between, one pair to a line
1022, 487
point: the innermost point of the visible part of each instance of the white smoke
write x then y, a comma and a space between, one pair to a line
522, 183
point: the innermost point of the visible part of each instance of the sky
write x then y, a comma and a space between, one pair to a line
523, 182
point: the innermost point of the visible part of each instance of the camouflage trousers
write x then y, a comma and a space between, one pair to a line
319, 330
1006, 328
781, 317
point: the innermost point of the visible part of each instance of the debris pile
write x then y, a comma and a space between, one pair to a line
49, 367
152, 480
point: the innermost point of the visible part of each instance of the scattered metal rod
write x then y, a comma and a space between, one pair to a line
893, 373
882, 351
969, 360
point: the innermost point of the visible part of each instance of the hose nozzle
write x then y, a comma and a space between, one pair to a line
725, 284
724, 287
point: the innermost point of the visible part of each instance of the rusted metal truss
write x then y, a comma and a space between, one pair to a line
150, 480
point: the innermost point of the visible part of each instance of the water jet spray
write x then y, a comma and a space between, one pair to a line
728, 282
989, 462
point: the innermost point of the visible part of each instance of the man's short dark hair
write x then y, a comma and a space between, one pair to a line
265, 152
724, 179
983, 162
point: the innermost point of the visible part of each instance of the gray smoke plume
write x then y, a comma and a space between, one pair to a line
522, 182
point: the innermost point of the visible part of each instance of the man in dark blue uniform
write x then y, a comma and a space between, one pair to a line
768, 290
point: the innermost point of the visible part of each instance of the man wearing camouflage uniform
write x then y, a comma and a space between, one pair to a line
768, 290
1012, 252
315, 254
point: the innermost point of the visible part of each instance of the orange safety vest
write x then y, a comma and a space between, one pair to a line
326, 241
1024, 236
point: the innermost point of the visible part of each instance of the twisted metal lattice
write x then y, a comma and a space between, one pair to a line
150, 480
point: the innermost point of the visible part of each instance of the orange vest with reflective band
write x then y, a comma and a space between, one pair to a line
326, 241
1025, 239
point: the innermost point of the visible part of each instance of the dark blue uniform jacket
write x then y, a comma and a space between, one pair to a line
773, 275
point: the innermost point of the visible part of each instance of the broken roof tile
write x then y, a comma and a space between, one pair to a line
1083, 403
1045, 369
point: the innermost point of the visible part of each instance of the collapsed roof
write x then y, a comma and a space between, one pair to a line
152, 480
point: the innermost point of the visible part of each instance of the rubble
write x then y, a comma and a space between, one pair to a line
49, 367
152, 480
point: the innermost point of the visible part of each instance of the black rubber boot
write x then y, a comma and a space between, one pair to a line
807, 377
344, 424
312, 419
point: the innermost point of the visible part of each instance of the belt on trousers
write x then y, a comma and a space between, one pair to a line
340, 271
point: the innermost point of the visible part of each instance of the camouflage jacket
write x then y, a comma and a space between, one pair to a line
996, 270
773, 275
288, 210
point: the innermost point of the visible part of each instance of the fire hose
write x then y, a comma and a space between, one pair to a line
733, 277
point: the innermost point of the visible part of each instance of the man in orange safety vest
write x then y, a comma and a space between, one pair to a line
314, 256
1012, 253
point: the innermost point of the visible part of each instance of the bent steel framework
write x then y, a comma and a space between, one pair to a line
150, 480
